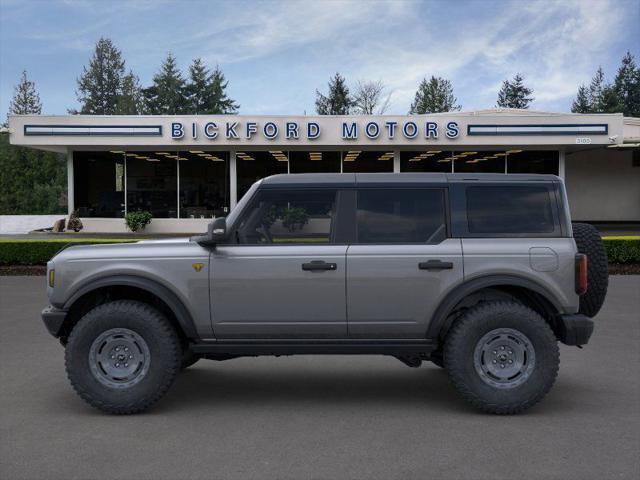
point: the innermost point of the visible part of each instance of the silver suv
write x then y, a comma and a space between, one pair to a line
479, 274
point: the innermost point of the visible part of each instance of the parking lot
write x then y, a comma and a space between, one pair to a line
319, 417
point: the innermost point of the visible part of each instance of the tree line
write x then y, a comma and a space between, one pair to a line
34, 182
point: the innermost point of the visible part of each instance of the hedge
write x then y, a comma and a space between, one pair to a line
622, 249
39, 252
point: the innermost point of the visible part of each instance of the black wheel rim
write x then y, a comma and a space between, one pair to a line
504, 358
119, 358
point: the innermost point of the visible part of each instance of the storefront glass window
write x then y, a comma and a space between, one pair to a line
471, 161
432, 160
533, 161
204, 184
252, 166
99, 184
152, 183
361, 161
314, 162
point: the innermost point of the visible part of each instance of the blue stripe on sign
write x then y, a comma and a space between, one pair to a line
94, 130
532, 129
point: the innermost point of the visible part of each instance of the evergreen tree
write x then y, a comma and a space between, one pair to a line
206, 91
31, 181
219, 102
581, 104
130, 101
596, 91
514, 94
338, 101
627, 86
25, 99
433, 96
100, 85
167, 95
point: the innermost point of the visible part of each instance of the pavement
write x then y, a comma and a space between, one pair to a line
319, 417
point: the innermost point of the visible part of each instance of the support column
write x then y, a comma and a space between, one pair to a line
233, 180
70, 185
396, 161
561, 168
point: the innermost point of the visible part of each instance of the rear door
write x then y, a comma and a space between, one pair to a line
284, 277
401, 263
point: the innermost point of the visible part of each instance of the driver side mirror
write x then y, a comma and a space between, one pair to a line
216, 233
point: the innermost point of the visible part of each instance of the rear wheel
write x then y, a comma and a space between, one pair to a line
122, 356
502, 357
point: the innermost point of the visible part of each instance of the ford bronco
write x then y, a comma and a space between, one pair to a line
480, 274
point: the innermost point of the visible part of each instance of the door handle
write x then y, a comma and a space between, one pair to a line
318, 265
435, 265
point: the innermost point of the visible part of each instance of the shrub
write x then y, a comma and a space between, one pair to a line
622, 249
39, 252
137, 220
74, 222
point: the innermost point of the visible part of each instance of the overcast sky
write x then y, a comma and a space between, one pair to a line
276, 53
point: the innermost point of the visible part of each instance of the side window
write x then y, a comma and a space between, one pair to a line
288, 217
401, 216
509, 209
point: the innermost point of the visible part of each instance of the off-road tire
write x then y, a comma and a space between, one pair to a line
589, 242
188, 359
165, 356
467, 332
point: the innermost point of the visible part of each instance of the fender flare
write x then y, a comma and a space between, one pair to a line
439, 320
181, 313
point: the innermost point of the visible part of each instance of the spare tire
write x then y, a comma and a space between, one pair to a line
588, 241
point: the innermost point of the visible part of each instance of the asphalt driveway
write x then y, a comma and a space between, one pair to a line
319, 417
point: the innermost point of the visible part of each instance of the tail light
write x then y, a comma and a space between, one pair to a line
581, 274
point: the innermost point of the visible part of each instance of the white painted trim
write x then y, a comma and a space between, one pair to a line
396, 161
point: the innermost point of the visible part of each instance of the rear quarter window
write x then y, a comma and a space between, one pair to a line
510, 209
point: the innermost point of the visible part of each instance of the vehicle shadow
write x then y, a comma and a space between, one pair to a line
214, 385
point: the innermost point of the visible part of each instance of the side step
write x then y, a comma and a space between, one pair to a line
314, 347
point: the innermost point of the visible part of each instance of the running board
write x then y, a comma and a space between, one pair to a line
314, 347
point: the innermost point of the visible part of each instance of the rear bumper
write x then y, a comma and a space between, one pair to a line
53, 319
574, 329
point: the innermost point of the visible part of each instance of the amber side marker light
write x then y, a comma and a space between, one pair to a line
581, 274
52, 277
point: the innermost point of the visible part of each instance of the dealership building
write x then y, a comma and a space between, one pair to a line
186, 170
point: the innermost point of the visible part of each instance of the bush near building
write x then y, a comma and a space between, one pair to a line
620, 250
39, 252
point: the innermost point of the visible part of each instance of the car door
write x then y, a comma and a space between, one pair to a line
284, 275
401, 263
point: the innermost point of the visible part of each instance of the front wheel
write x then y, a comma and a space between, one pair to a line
502, 357
122, 356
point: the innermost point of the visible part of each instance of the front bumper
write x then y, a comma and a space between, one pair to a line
53, 319
574, 329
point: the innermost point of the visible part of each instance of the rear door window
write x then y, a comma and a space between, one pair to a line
510, 209
401, 216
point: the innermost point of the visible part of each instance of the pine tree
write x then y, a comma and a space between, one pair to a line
167, 95
581, 104
434, 95
130, 101
219, 102
596, 91
25, 99
514, 94
338, 101
627, 86
206, 91
99, 86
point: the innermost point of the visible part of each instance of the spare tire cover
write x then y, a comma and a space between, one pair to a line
588, 241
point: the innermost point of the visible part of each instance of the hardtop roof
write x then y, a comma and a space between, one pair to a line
354, 179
